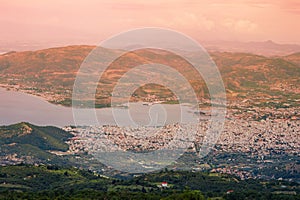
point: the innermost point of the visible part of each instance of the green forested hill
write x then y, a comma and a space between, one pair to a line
26, 142
44, 138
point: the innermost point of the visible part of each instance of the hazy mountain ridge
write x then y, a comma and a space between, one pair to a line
266, 48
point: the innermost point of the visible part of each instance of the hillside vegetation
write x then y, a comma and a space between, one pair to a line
49, 182
26, 142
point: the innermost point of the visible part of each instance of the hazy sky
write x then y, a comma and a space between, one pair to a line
90, 21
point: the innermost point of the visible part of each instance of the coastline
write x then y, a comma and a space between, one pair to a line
10, 88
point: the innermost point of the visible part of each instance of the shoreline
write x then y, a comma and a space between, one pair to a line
55, 102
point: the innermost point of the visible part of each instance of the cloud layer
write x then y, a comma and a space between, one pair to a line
94, 20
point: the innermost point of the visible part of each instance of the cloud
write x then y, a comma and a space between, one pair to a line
210, 19
291, 6
192, 20
240, 25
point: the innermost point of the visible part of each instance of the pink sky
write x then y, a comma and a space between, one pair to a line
91, 21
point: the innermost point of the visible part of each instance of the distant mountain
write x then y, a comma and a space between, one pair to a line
266, 48
51, 73
32, 144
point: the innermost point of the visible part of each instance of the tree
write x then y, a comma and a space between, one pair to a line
186, 195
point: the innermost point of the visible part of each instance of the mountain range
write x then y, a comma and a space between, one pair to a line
265, 48
51, 73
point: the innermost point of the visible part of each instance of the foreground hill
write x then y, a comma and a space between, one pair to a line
30, 143
51, 73
53, 182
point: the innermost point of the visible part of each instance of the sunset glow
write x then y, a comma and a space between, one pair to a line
92, 21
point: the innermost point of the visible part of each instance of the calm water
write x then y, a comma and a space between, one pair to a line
20, 107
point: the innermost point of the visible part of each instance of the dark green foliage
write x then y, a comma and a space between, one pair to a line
54, 182
186, 195
45, 138
32, 143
